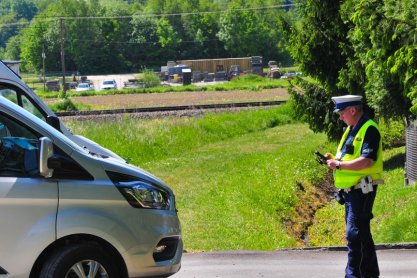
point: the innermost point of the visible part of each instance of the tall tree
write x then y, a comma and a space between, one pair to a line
359, 47
252, 28
91, 45
383, 38
169, 39
242, 30
14, 14
146, 49
316, 40
318, 43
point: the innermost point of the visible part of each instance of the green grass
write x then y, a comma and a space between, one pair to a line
166, 137
396, 204
233, 174
235, 177
236, 193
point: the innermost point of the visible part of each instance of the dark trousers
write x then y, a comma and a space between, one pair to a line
362, 260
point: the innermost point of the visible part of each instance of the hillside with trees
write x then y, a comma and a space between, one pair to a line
109, 36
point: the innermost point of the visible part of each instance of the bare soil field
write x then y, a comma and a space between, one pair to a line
178, 98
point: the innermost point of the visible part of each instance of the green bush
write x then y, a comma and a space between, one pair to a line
393, 132
67, 105
150, 79
248, 78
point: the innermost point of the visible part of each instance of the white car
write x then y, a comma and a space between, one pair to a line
108, 85
84, 87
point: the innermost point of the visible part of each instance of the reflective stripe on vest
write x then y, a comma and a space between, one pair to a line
347, 178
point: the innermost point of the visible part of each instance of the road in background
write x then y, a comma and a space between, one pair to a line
122, 78
119, 78
287, 264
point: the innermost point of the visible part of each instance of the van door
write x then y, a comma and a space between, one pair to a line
28, 202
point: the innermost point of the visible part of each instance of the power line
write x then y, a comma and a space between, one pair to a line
51, 18
22, 24
183, 14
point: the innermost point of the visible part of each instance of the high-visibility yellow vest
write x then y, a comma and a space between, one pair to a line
347, 178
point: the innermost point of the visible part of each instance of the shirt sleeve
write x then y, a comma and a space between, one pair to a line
370, 144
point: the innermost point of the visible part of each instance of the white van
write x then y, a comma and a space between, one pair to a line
68, 212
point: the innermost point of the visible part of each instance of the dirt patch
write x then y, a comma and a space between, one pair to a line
178, 98
310, 199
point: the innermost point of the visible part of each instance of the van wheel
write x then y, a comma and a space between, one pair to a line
81, 260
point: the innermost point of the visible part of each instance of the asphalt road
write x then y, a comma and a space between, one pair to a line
292, 263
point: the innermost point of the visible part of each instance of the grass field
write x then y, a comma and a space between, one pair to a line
237, 178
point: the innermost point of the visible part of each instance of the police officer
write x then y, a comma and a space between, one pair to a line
357, 171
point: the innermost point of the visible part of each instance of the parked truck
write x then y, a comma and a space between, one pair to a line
204, 67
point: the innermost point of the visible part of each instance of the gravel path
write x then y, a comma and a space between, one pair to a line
161, 114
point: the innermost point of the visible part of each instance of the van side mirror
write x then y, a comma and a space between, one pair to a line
46, 150
54, 122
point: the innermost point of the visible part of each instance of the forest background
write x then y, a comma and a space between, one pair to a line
109, 36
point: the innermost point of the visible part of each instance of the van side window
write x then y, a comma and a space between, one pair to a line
19, 149
14, 95
19, 154
28, 105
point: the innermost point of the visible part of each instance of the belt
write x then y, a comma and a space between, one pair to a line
359, 185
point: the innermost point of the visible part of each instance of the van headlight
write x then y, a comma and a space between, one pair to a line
140, 193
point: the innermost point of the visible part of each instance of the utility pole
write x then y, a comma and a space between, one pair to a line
61, 21
43, 66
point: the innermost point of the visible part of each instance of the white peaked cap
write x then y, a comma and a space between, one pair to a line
342, 102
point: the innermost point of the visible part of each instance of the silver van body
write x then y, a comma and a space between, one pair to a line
10, 81
65, 209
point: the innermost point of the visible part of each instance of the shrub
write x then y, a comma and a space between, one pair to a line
248, 78
64, 105
393, 132
150, 79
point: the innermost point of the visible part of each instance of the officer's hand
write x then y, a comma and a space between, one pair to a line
331, 163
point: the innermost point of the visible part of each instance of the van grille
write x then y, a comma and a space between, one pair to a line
411, 154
